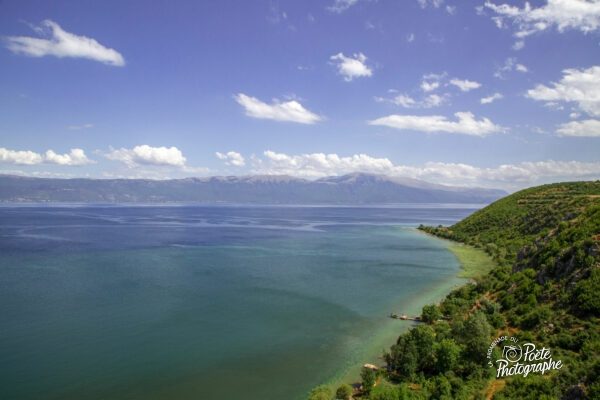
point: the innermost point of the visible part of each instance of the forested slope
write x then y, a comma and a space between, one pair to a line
545, 290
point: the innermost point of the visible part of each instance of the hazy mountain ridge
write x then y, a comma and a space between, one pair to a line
347, 189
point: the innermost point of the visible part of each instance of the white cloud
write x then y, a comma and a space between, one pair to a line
291, 111
410, 37
431, 82
404, 100
429, 86
21, 157
433, 100
585, 128
465, 85
521, 68
352, 67
581, 15
578, 86
26, 157
491, 99
510, 64
465, 124
232, 158
147, 155
432, 3
74, 157
60, 43
317, 165
451, 10
518, 45
339, 6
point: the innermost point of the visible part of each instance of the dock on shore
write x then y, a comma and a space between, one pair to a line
404, 317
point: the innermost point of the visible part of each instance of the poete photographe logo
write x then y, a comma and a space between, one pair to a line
522, 360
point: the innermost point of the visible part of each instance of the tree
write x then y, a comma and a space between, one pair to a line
475, 334
320, 393
430, 313
446, 354
368, 379
403, 357
423, 337
344, 392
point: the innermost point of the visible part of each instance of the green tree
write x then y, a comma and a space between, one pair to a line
447, 353
430, 313
475, 335
368, 379
344, 392
403, 357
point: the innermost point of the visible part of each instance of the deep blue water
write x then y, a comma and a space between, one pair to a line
190, 302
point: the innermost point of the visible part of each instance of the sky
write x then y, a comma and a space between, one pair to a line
497, 93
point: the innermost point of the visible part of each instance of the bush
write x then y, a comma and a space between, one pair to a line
320, 393
344, 392
585, 295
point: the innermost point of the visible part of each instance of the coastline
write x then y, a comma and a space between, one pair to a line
472, 263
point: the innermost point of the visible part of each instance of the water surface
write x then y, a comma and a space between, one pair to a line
188, 302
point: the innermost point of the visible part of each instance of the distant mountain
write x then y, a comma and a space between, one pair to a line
355, 188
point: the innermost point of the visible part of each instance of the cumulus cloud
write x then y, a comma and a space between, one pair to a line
352, 67
58, 43
147, 155
232, 158
27, 157
581, 15
465, 85
465, 124
317, 165
576, 86
491, 99
74, 157
291, 111
585, 128
339, 6
21, 157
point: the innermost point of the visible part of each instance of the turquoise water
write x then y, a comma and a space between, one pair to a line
203, 302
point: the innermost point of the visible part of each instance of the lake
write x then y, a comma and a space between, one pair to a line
210, 302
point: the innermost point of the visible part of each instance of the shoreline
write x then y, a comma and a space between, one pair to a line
472, 263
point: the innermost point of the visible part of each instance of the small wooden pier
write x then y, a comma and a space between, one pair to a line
404, 317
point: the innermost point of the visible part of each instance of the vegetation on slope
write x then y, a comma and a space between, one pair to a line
545, 289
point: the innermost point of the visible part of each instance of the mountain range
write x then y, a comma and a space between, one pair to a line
356, 188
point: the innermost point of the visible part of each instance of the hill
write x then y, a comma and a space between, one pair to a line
347, 189
545, 290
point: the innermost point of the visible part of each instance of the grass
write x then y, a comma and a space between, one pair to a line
474, 262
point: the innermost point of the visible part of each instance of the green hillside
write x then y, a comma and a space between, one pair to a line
545, 290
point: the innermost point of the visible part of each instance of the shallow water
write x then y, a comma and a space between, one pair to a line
203, 302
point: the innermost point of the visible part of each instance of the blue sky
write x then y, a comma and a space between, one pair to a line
477, 93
